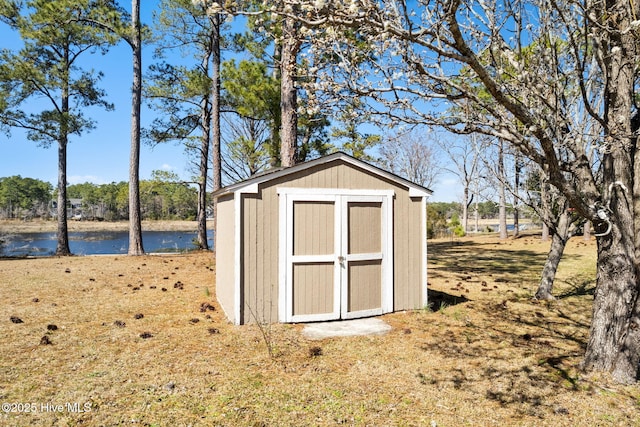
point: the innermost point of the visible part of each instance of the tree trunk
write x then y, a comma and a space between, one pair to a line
215, 119
558, 243
545, 207
62, 246
545, 232
613, 337
135, 220
476, 215
502, 216
516, 197
203, 172
586, 234
289, 94
465, 208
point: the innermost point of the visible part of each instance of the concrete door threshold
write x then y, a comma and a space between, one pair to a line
346, 328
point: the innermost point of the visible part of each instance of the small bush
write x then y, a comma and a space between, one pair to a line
459, 231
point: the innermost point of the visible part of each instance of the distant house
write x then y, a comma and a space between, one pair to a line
332, 238
74, 208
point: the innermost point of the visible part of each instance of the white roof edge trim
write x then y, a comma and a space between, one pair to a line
251, 188
418, 192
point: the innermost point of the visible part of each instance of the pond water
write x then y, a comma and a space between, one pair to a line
97, 242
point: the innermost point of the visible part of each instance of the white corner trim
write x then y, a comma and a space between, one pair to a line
283, 297
389, 286
237, 211
424, 278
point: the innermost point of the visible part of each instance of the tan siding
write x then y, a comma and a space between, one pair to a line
408, 247
416, 250
225, 250
269, 279
364, 285
402, 236
261, 250
270, 258
313, 288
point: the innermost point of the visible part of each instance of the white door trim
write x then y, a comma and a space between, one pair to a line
340, 198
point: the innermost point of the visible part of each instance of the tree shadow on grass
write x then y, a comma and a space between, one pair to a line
578, 286
470, 257
521, 348
439, 299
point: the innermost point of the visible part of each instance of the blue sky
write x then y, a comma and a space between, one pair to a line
102, 155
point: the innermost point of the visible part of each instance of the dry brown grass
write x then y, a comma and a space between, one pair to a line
479, 357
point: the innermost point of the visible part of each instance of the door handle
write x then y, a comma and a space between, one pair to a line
341, 259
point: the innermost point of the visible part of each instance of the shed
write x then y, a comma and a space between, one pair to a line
331, 238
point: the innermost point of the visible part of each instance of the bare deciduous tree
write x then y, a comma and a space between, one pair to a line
464, 154
525, 57
412, 156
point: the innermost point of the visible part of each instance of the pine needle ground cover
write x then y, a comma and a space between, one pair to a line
116, 340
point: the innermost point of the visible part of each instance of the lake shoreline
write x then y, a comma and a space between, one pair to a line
43, 226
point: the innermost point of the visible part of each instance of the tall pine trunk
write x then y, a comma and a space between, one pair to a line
62, 246
289, 93
203, 170
215, 118
135, 220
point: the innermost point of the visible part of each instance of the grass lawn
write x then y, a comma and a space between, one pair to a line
117, 340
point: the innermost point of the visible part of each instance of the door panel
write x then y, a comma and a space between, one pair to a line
362, 248
364, 227
364, 286
313, 288
313, 228
312, 272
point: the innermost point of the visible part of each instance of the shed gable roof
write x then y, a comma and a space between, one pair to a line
250, 185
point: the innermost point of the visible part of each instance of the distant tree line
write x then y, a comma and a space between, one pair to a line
444, 216
162, 197
21, 197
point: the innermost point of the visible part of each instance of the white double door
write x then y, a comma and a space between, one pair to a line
337, 251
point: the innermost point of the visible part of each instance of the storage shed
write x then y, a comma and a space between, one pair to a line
332, 238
